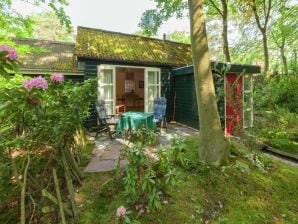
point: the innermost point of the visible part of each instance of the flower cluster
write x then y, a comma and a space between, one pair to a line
121, 211
12, 54
38, 82
57, 78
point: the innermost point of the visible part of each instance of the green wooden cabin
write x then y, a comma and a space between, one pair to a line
132, 70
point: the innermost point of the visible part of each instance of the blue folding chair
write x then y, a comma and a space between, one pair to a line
159, 111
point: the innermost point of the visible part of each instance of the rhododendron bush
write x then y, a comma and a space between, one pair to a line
41, 135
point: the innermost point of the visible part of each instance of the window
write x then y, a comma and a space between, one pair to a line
129, 86
129, 83
81, 66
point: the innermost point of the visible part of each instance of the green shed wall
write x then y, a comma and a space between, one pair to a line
186, 111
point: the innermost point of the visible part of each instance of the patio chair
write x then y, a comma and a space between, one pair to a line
105, 121
159, 111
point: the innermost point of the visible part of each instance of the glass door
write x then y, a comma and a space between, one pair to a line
106, 87
152, 87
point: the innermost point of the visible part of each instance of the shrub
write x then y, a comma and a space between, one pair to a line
278, 92
147, 177
41, 131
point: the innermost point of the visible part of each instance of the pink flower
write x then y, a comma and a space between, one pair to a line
12, 54
121, 211
57, 78
37, 82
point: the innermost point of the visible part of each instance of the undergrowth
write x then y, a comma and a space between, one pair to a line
251, 189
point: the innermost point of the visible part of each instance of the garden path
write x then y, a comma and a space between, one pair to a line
107, 153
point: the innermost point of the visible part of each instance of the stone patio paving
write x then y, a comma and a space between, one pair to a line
107, 153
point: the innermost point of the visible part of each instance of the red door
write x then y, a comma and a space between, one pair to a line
234, 104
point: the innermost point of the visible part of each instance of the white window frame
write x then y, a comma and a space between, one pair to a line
100, 88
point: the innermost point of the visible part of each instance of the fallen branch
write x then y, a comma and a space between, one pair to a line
61, 209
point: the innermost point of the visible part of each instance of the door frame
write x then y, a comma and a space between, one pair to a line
146, 69
99, 86
146, 85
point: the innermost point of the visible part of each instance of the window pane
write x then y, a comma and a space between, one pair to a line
152, 94
151, 77
108, 92
107, 76
109, 107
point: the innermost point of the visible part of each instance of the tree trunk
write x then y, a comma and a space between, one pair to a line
284, 60
226, 51
265, 47
213, 147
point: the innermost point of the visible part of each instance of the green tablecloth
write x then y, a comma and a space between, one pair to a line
132, 120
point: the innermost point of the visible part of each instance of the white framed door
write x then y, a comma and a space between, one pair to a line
152, 87
106, 86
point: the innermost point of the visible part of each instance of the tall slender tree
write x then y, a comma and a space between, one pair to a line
213, 147
284, 29
152, 19
260, 10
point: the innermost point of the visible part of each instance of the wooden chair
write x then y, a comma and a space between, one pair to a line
105, 121
120, 109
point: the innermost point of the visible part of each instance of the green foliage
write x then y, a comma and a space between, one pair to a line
278, 92
278, 129
14, 24
178, 147
48, 126
209, 194
148, 175
179, 36
142, 136
47, 26
152, 19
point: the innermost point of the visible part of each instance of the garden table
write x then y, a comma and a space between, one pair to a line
132, 120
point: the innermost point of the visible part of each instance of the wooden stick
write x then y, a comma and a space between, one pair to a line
23, 193
61, 210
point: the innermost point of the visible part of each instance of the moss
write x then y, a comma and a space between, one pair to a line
117, 46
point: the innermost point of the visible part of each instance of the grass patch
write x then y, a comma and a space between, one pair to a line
251, 189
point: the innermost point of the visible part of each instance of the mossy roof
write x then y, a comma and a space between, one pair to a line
118, 47
47, 55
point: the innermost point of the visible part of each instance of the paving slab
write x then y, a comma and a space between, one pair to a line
111, 153
98, 151
107, 153
99, 165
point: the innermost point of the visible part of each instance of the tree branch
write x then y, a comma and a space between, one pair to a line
254, 9
268, 12
216, 8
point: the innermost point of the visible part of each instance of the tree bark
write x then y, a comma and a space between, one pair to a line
213, 147
283, 57
265, 47
226, 51
263, 28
